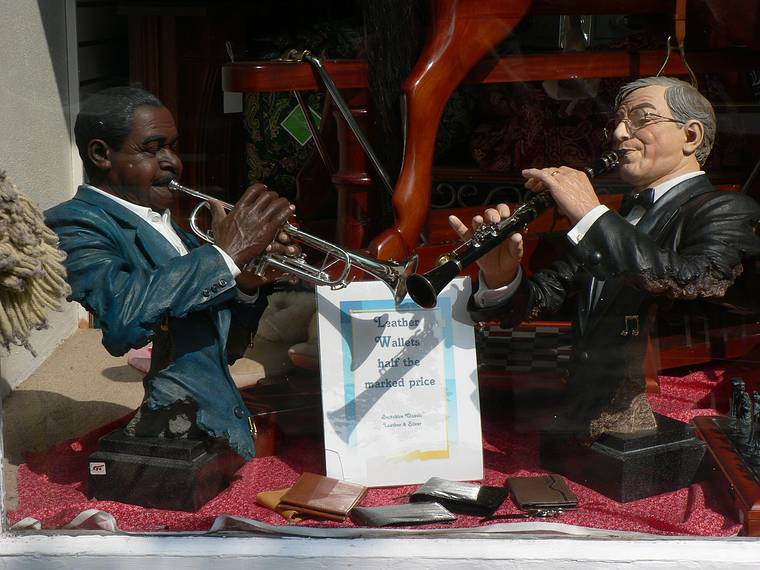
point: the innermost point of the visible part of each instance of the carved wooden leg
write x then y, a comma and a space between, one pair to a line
462, 32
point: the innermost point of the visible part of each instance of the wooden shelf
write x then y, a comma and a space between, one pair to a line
590, 64
582, 7
272, 76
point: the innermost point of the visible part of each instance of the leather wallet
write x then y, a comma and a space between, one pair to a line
271, 500
323, 497
542, 492
458, 497
408, 514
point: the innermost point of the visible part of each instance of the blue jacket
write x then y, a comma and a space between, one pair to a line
142, 290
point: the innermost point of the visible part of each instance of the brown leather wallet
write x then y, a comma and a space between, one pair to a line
542, 492
321, 496
271, 500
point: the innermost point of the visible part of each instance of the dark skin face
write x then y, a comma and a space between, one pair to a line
141, 169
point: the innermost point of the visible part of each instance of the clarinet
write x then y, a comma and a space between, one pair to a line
423, 288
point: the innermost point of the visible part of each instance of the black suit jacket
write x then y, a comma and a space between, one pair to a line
689, 245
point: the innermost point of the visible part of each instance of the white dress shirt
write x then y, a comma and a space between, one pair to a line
163, 225
484, 296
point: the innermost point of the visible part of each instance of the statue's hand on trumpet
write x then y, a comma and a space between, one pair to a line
251, 228
256, 233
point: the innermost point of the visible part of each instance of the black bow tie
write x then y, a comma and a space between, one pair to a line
645, 198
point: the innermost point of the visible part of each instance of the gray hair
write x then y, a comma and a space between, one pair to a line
685, 104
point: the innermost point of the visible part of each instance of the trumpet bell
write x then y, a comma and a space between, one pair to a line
393, 273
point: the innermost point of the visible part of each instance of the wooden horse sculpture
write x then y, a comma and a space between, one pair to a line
462, 33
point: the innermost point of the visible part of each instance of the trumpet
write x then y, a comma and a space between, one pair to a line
424, 288
393, 273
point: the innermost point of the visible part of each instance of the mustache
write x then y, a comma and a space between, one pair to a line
163, 181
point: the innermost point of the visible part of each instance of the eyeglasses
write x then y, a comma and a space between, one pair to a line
636, 119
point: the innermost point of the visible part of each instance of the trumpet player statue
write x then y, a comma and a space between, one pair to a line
681, 240
145, 279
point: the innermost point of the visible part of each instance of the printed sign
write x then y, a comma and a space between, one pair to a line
399, 386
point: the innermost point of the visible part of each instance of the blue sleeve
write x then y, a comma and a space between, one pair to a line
112, 278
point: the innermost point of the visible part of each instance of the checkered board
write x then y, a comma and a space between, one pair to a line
527, 348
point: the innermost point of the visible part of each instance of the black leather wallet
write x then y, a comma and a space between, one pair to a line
542, 492
458, 497
408, 514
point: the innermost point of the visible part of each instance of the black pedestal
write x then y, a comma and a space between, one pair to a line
626, 467
174, 474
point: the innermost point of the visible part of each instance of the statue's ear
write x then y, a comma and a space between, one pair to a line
99, 154
694, 133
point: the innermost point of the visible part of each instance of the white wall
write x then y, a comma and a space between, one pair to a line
35, 144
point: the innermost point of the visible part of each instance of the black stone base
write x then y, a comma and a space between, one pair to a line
174, 474
627, 467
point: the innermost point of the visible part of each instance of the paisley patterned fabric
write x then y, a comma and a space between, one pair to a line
273, 156
522, 126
